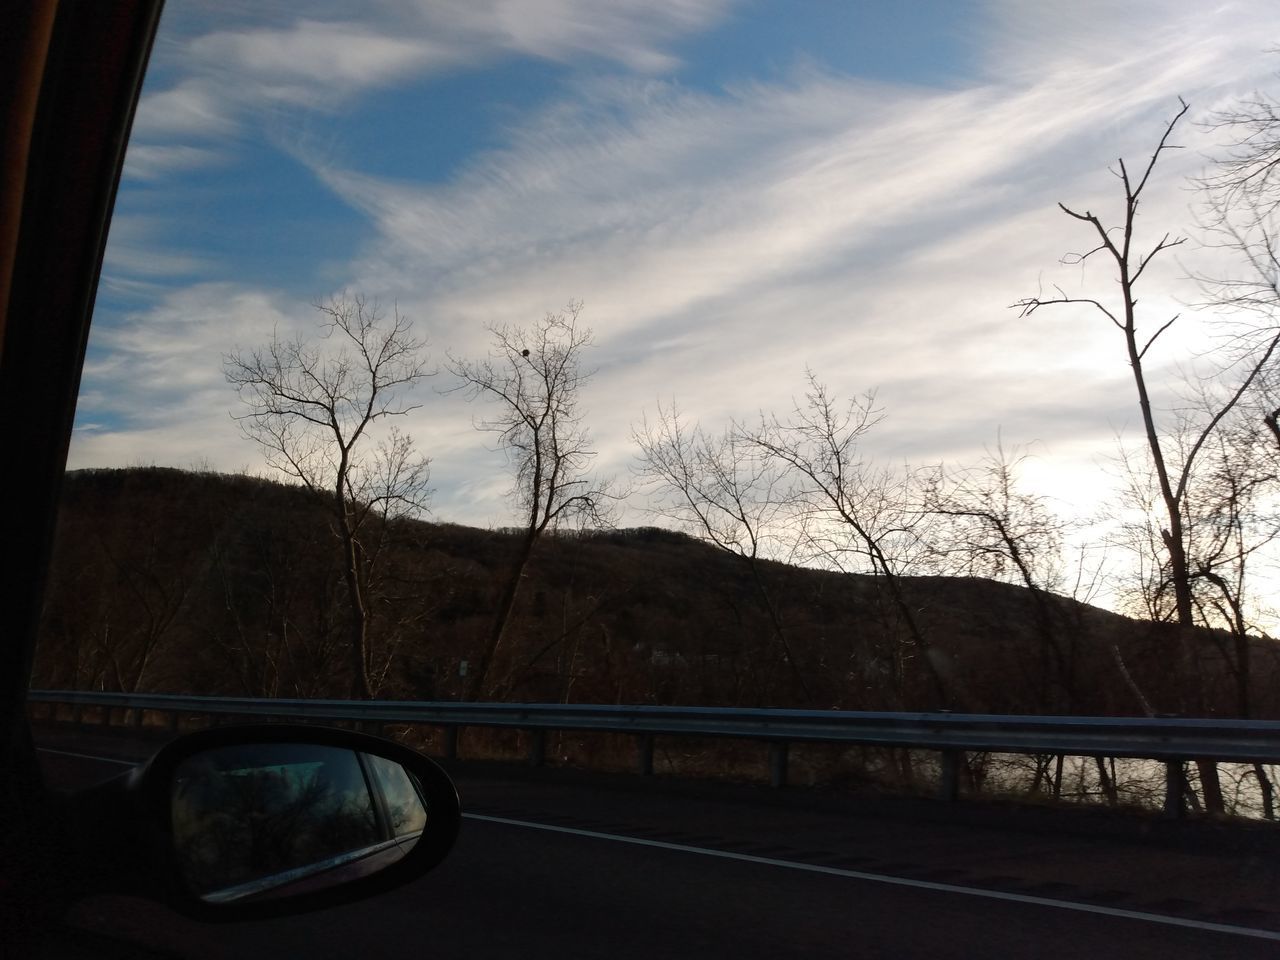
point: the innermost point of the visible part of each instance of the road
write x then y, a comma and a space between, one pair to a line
563, 864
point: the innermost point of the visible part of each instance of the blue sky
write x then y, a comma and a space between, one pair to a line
735, 190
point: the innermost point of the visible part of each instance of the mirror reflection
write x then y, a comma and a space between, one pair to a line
279, 819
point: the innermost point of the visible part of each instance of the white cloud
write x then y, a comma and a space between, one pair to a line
163, 367
260, 65
314, 63
153, 389
631, 32
152, 161
192, 107
721, 242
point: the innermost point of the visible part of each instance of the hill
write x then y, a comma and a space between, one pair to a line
165, 580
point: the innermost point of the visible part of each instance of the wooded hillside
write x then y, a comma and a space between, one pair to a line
171, 581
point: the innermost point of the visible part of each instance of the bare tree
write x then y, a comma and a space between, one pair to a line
1251, 165
125, 590
275, 624
724, 489
991, 528
1241, 218
312, 406
1234, 522
1174, 451
1119, 245
533, 380
854, 511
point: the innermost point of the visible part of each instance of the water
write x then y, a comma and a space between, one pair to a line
1137, 783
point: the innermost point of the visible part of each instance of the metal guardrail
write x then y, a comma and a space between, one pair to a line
1167, 739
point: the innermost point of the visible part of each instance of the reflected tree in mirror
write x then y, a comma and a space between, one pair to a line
279, 819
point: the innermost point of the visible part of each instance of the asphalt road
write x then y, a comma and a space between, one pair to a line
556, 864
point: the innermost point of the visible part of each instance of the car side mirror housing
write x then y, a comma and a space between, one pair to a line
251, 822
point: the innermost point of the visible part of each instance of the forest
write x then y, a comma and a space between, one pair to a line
175, 581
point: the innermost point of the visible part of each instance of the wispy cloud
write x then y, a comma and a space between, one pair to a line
154, 391
192, 107
227, 75
317, 64
267, 77
631, 32
722, 243
724, 240
153, 387
153, 161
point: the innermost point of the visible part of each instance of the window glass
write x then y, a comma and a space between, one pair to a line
404, 804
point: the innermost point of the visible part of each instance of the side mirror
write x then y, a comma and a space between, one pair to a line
239, 823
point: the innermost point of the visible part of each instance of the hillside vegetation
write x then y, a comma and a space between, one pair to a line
165, 580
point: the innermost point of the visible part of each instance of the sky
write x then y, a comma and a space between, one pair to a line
735, 191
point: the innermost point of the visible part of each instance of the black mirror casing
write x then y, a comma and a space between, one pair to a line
123, 829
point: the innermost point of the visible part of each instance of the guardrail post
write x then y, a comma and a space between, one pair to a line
1175, 787
646, 754
537, 747
949, 782
451, 743
778, 753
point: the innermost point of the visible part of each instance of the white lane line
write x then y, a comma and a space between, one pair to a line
88, 756
896, 881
